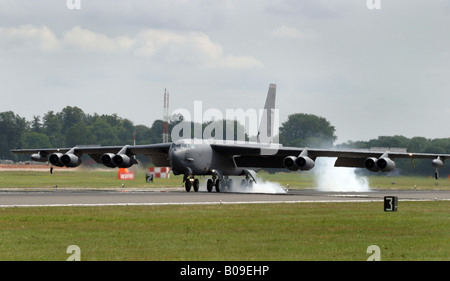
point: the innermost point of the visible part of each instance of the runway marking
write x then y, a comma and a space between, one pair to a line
210, 203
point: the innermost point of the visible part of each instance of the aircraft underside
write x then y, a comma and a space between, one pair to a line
220, 181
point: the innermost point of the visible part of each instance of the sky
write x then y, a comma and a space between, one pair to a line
371, 68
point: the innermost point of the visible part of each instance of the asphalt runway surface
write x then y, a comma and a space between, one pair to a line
177, 196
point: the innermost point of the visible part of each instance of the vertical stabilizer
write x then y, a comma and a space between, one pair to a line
265, 131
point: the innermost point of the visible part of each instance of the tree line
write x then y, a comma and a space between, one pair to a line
71, 127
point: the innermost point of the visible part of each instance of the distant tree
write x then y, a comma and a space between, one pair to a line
36, 140
12, 128
126, 131
36, 125
71, 116
104, 133
307, 130
52, 128
78, 134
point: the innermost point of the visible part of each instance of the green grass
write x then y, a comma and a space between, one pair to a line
321, 231
79, 178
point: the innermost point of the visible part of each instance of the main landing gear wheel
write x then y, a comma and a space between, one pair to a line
214, 182
229, 184
209, 185
247, 183
218, 185
196, 185
189, 183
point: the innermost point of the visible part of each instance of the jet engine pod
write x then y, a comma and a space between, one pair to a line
122, 161
289, 162
386, 164
38, 157
371, 164
107, 160
70, 160
304, 163
55, 159
438, 163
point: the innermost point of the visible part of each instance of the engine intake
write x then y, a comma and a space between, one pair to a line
117, 160
107, 160
371, 164
122, 161
289, 162
70, 160
305, 163
55, 159
386, 164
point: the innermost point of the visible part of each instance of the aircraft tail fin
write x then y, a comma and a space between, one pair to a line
265, 131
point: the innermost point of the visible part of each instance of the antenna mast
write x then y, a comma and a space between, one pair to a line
166, 117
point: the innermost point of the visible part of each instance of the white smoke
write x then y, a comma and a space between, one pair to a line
330, 178
261, 186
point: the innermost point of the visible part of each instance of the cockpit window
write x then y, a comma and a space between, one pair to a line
176, 145
182, 145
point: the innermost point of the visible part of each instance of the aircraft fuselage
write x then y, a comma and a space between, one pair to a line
191, 157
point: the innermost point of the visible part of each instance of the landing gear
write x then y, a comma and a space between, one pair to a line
214, 182
218, 183
229, 184
209, 185
191, 182
247, 183
196, 185
187, 185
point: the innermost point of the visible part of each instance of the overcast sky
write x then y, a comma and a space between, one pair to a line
370, 72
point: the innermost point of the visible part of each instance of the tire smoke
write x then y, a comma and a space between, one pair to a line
339, 179
261, 186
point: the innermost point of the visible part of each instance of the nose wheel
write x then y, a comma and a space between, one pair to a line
191, 182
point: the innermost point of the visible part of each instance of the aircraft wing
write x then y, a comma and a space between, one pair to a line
272, 156
157, 153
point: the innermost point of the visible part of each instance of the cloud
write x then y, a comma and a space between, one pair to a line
164, 46
191, 47
87, 40
290, 32
28, 37
188, 48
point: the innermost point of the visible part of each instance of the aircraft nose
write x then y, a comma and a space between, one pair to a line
177, 161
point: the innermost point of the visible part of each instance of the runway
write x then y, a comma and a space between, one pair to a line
177, 196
